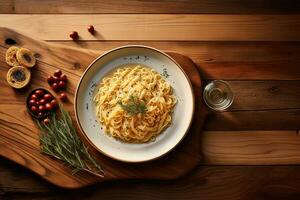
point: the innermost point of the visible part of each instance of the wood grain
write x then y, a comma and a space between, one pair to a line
265, 95
215, 60
224, 60
205, 182
251, 147
230, 60
182, 27
150, 6
254, 120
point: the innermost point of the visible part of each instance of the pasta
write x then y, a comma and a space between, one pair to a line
134, 103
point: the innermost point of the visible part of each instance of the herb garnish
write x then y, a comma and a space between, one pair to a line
134, 106
60, 140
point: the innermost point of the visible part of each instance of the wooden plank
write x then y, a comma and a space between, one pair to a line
205, 182
15, 178
251, 147
183, 27
150, 6
224, 60
209, 52
216, 60
254, 120
264, 95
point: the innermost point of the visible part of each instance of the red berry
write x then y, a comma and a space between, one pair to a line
41, 108
46, 121
62, 85
34, 109
56, 79
63, 97
42, 102
48, 97
32, 102
74, 35
39, 93
91, 29
55, 87
40, 114
57, 73
48, 106
34, 97
63, 78
54, 103
50, 80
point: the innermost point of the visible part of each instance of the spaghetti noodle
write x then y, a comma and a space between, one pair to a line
134, 103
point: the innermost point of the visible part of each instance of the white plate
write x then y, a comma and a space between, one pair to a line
85, 109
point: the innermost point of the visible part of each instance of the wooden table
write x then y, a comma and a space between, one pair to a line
251, 151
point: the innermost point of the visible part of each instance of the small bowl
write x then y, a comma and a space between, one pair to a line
28, 106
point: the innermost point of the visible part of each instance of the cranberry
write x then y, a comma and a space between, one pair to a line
32, 102
48, 106
34, 96
34, 109
54, 103
39, 93
51, 80
57, 73
62, 85
40, 114
41, 108
56, 79
42, 102
48, 97
55, 87
74, 35
63, 97
63, 78
46, 121
91, 29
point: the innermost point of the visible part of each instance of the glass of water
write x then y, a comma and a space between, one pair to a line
218, 95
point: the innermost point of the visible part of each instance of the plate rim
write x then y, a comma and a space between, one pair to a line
89, 67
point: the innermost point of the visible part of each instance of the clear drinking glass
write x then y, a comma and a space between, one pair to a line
218, 95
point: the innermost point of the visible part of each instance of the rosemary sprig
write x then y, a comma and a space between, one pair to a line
134, 106
60, 140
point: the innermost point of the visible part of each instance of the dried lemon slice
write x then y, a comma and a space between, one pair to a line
18, 77
11, 57
25, 57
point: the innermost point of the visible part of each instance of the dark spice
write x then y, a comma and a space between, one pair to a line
93, 85
165, 73
18, 75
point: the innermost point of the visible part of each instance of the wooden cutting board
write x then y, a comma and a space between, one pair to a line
19, 137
